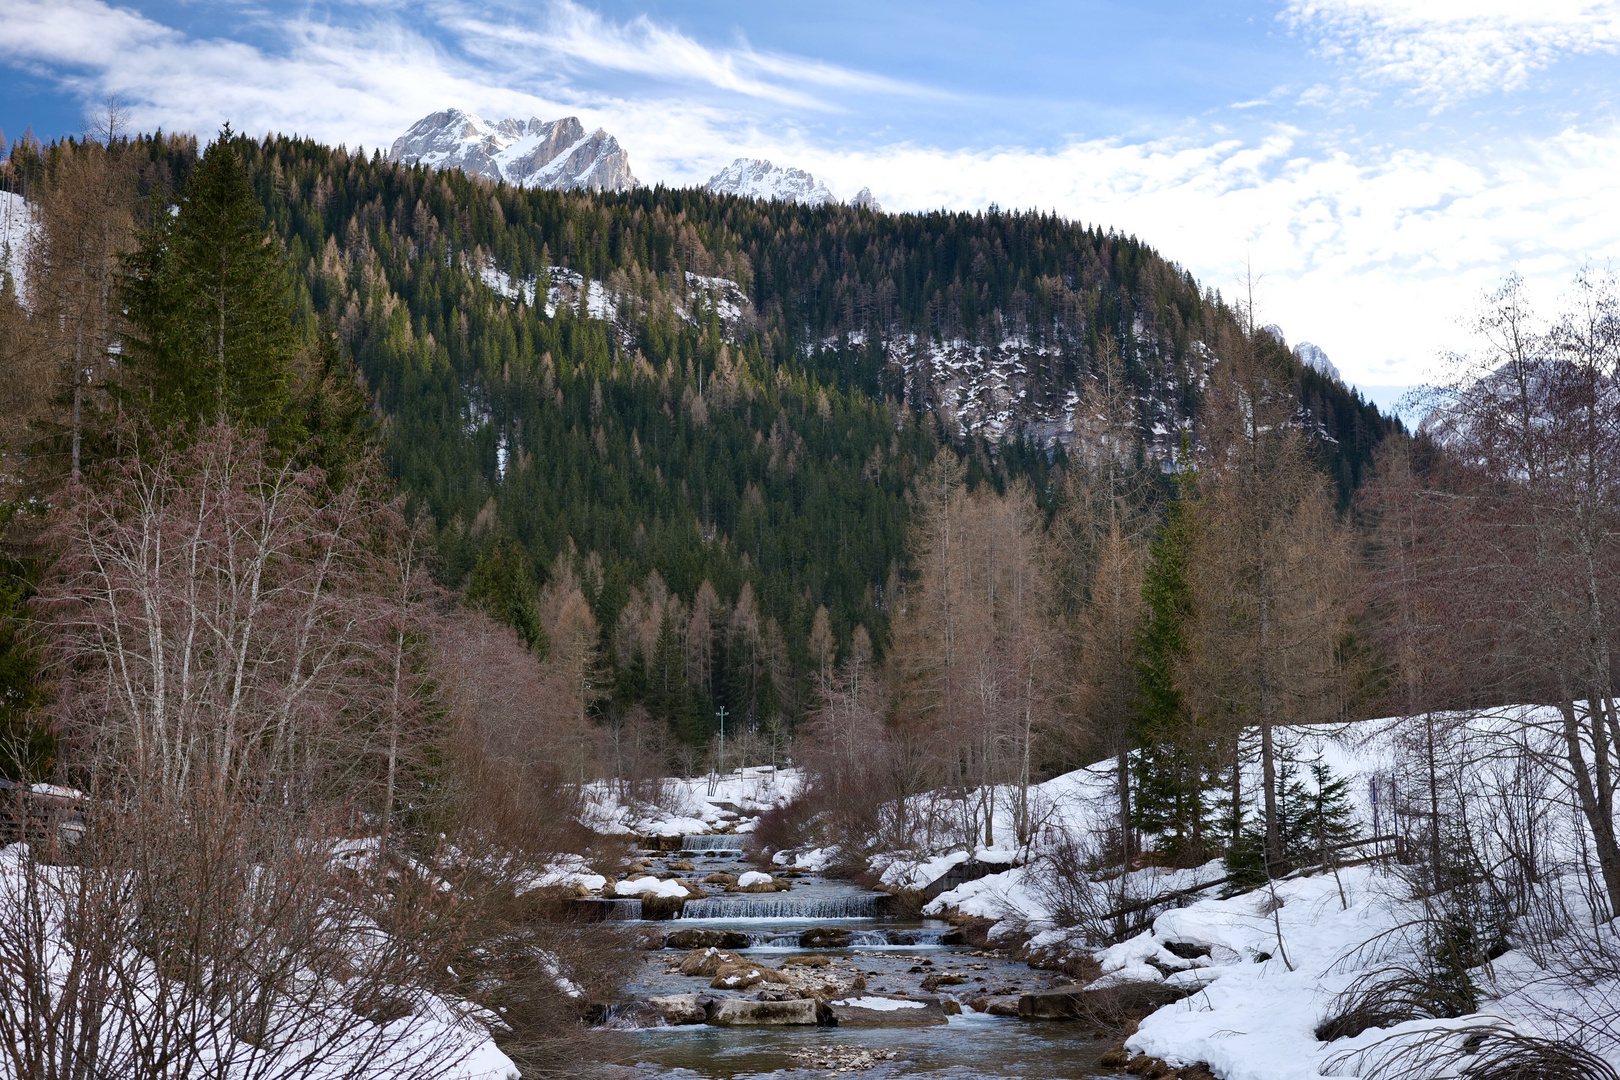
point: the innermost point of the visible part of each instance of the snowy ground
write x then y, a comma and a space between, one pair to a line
1277, 957
16, 230
687, 806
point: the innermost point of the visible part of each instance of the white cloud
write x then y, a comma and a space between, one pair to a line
1448, 51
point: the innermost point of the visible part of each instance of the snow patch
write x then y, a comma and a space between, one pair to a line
881, 1004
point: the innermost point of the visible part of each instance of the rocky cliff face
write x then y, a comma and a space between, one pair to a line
555, 154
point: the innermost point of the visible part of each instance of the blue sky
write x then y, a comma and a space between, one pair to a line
1378, 164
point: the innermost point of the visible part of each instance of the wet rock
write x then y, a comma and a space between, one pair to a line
1001, 1005
706, 961
1075, 1002
934, 982
873, 1011
706, 939
813, 960
951, 1006
677, 1009
661, 907
824, 937
736, 1012
842, 1059
741, 975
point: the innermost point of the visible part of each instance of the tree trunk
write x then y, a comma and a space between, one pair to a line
1598, 818
1122, 781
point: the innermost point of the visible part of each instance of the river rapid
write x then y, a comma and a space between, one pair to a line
892, 957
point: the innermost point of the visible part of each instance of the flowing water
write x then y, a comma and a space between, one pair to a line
892, 955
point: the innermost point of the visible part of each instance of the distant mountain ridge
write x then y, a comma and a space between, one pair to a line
557, 155
756, 178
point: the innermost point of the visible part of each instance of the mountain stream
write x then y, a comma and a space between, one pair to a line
852, 939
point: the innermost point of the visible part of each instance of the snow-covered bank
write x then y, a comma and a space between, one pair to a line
116, 1008
1263, 968
685, 806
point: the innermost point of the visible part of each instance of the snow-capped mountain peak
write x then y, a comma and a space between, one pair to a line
1313, 357
755, 178
865, 200
554, 154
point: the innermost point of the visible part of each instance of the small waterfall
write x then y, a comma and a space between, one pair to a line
914, 937
714, 842
862, 906
775, 939
622, 910
633, 1016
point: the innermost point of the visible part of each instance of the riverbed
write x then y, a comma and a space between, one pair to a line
891, 956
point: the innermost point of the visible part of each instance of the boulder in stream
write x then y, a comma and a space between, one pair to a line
706, 961
706, 939
995, 1004
875, 1011
742, 974
661, 907
735, 1012
824, 937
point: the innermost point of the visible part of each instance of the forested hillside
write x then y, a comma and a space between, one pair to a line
708, 411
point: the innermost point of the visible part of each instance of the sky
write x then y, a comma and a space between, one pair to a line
1375, 167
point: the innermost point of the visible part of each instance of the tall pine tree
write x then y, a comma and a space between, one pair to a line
1169, 764
207, 304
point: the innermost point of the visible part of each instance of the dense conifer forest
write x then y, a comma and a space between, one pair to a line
750, 459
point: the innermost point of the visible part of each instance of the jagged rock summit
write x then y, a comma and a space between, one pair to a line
755, 178
554, 154
865, 200
1312, 356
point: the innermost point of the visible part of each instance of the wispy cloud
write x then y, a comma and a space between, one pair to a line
1444, 52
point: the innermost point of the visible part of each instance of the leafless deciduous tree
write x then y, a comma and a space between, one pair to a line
975, 646
217, 614
1268, 569
1525, 526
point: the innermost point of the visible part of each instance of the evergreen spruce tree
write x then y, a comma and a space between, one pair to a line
334, 412
1169, 763
1329, 819
26, 745
668, 697
502, 583
207, 302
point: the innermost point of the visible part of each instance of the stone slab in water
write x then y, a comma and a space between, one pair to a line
678, 1009
734, 1012
903, 1012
